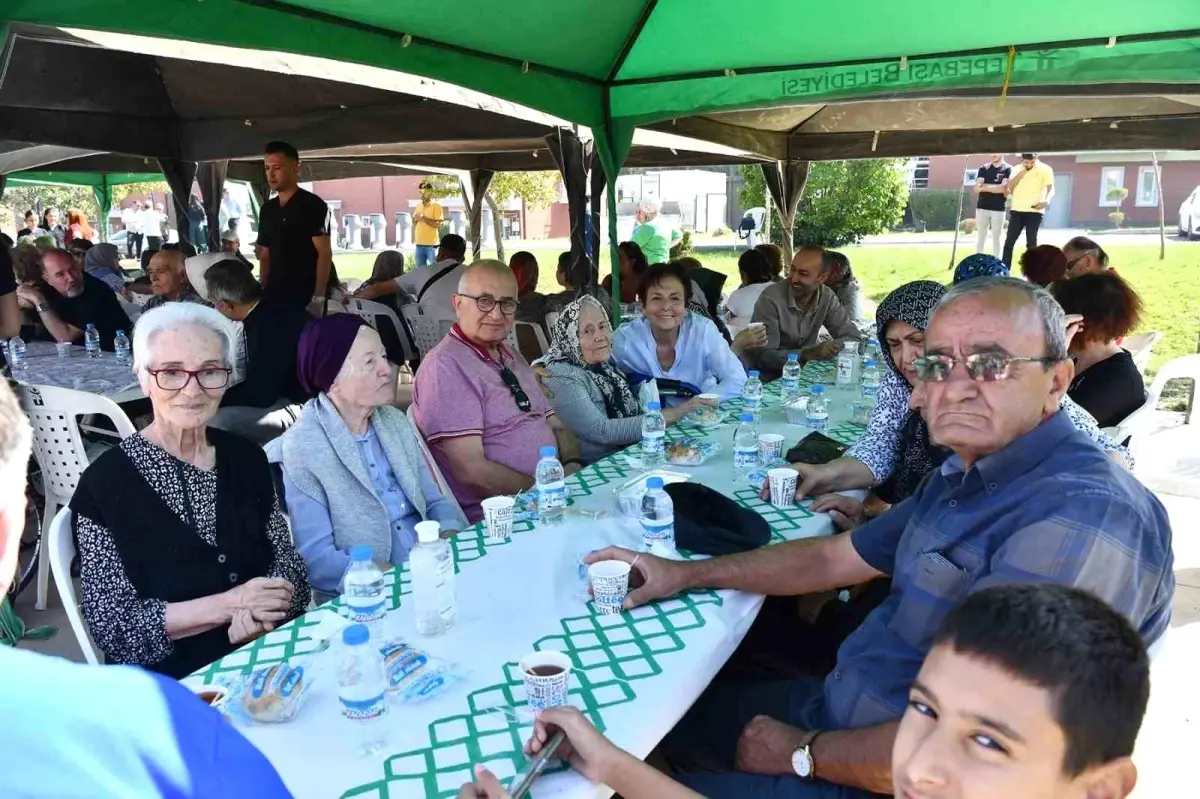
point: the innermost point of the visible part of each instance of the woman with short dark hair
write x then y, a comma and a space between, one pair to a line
1107, 383
1043, 265
757, 273
632, 264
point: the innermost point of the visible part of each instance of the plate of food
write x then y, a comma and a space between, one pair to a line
706, 416
689, 452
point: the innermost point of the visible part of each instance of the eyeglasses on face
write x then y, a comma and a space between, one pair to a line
486, 302
987, 367
212, 377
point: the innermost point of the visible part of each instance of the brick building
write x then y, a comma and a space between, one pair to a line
1082, 182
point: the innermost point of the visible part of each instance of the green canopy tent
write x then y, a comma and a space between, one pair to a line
101, 184
621, 63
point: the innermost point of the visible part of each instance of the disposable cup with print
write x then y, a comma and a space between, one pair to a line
783, 487
498, 516
610, 583
547, 677
770, 447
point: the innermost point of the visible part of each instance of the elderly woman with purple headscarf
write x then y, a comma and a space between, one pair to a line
353, 472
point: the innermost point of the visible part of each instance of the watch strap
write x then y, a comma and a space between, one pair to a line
808, 738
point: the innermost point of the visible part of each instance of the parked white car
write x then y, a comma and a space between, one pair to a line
1189, 215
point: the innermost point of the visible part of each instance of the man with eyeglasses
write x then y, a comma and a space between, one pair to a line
1024, 498
1084, 257
478, 403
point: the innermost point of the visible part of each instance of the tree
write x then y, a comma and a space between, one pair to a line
536, 189
40, 197
121, 191
843, 200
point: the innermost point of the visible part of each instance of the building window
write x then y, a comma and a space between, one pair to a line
918, 173
1111, 179
1147, 187
970, 176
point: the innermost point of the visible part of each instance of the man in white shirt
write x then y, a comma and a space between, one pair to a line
133, 231
432, 286
151, 223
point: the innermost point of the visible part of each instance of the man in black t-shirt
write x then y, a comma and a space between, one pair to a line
295, 257
989, 208
67, 300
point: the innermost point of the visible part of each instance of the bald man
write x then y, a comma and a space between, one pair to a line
477, 402
67, 300
169, 280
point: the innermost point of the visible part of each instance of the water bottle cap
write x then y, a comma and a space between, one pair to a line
816, 390
548, 452
120, 332
753, 373
360, 553
428, 532
356, 634
654, 482
654, 406
793, 356
870, 362
90, 326
746, 417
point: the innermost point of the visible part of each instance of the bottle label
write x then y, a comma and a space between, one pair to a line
870, 389
750, 404
817, 421
745, 457
845, 371
552, 495
789, 384
364, 608
444, 590
653, 443
363, 709
658, 531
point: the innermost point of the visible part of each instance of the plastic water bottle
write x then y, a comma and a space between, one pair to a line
658, 516
432, 566
122, 348
551, 488
752, 395
871, 351
846, 362
870, 380
362, 690
745, 448
789, 384
363, 591
654, 435
91, 341
817, 416
16, 354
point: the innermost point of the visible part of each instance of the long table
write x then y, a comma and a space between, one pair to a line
103, 375
635, 673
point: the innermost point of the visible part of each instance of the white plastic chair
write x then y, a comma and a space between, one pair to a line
427, 329
1139, 347
58, 446
442, 485
61, 545
139, 299
372, 311
551, 318
352, 284
1141, 421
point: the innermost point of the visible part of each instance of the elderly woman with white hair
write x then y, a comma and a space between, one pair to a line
655, 235
353, 472
184, 552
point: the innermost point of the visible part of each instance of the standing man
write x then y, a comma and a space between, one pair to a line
1031, 189
427, 223
151, 224
295, 256
133, 235
655, 235
991, 185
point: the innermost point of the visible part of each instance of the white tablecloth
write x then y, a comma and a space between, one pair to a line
635, 673
103, 375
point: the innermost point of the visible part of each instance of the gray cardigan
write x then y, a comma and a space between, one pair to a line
578, 402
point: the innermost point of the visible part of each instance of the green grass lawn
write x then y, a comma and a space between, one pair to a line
1170, 289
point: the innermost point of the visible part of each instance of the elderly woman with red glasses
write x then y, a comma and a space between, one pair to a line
184, 553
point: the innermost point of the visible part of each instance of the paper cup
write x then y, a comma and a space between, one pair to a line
710, 397
783, 487
770, 447
498, 516
543, 690
610, 583
755, 325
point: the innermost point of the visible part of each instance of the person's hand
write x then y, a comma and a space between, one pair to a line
543, 374
585, 748
766, 747
1074, 324
651, 578
749, 338
821, 352
244, 627
811, 480
1042, 206
267, 598
31, 296
485, 786
846, 512
570, 469
673, 415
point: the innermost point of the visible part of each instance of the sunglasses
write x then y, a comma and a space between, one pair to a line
514, 387
987, 367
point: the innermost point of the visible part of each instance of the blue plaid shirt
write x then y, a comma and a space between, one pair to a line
1049, 507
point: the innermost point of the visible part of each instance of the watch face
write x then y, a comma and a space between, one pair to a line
802, 762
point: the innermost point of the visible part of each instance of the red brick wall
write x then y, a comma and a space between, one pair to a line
1179, 178
387, 195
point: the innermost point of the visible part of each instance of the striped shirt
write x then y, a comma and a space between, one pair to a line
1050, 507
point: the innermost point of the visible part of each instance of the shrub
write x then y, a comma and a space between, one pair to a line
684, 248
720, 231
937, 208
967, 225
1117, 218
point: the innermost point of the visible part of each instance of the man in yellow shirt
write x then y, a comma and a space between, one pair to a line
427, 223
1030, 190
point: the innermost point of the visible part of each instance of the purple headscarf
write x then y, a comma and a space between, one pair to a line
323, 347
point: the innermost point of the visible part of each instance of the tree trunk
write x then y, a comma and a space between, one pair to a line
495, 225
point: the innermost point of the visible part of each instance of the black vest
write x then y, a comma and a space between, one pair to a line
165, 558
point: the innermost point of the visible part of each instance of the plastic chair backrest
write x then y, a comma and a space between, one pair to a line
426, 328
1133, 426
372, 312
442, 485
1139, 347
551, 318
352, 284
61, 545
529, 338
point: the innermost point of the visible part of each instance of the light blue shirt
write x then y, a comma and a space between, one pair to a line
87, 731
702, 357
312, 527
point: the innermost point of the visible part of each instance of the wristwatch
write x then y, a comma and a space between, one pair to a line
42, 307
802, 759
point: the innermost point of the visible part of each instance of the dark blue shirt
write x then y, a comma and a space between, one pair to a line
1050, 507
992, 176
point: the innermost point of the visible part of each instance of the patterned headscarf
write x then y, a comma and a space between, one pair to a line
619, 401
912, 303
979, 265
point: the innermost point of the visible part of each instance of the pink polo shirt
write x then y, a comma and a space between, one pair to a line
458, 392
